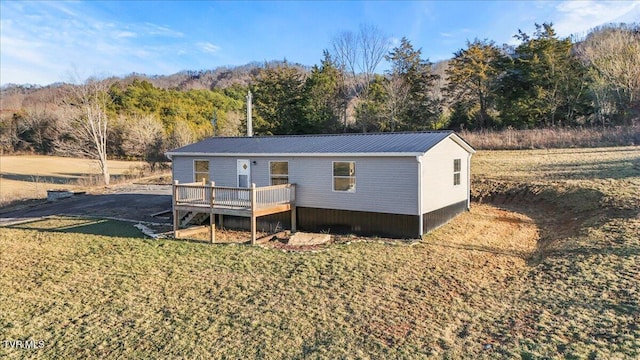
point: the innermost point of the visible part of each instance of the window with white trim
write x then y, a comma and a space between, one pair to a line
344, 176
201, 170
456, 171
279, 172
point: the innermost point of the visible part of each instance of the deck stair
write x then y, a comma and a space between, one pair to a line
194, 203
193, 218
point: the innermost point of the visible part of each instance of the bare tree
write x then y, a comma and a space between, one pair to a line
231, 125
143, 137
397, 91
85, 131
37, 127
358, 55
613, 52
181, 135
8, 133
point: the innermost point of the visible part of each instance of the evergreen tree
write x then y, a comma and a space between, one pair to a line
421, 110
545, 83
473, 75
278, 94
321, 97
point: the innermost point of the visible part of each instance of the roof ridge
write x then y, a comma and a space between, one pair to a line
344, 143
336, 134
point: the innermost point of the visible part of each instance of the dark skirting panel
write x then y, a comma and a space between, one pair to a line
351, 222
358, 222
433, 220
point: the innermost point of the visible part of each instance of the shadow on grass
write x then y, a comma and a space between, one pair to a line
605, 250
571, 270
192, 240
559, 213
486, 249
83, 226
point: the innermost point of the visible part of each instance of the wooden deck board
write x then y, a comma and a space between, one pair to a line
200, 198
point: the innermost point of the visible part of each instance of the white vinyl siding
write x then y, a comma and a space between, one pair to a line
385, 184
221, 170
438, 189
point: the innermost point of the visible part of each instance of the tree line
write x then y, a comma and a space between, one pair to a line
544, 81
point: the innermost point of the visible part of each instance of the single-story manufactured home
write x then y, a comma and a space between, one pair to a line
387, 184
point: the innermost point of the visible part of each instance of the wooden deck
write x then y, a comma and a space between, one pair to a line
250, 202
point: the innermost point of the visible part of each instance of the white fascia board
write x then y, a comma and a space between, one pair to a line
413, 154
462, 143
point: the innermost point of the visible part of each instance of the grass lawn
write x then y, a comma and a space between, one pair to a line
549, 268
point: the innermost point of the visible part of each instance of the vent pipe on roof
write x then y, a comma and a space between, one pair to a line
249, 121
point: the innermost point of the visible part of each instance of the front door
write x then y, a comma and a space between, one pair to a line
244, 176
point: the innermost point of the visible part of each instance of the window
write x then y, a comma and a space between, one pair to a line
201, 170
456, 171
344, 176
279, 172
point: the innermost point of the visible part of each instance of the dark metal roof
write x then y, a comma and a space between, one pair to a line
368, 143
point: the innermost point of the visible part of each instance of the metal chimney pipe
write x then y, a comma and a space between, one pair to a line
249, 121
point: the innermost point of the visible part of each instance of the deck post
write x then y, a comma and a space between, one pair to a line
292, 200
175, 212
212, 216
253, 213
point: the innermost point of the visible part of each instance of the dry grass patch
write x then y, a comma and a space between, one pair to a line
553, 273
97, 296
581, 295
537, 166
30, 176
553, 138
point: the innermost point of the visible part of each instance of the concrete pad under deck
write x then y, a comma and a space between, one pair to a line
302, 238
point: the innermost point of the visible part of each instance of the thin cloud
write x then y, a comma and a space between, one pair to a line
576, 17
124, 34
208, 47
60, 34
61, 7
164, 31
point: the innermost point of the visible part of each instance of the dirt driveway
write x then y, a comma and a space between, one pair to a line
130, 202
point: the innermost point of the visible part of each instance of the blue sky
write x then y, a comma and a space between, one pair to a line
43, 42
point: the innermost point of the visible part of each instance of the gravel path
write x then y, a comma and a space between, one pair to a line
129, 202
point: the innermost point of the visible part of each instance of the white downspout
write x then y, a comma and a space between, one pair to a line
420, 219
469, 181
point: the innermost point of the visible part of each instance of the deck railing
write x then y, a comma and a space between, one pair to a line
252, 202
275, 195
201, 194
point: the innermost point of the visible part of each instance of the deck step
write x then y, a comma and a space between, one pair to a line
193, 218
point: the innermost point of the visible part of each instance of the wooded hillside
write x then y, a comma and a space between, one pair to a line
545, 81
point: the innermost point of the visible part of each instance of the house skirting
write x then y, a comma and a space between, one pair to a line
434, 219
352, 222
358, 222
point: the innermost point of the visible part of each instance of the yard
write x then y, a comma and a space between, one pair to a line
30, 176
547, 264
